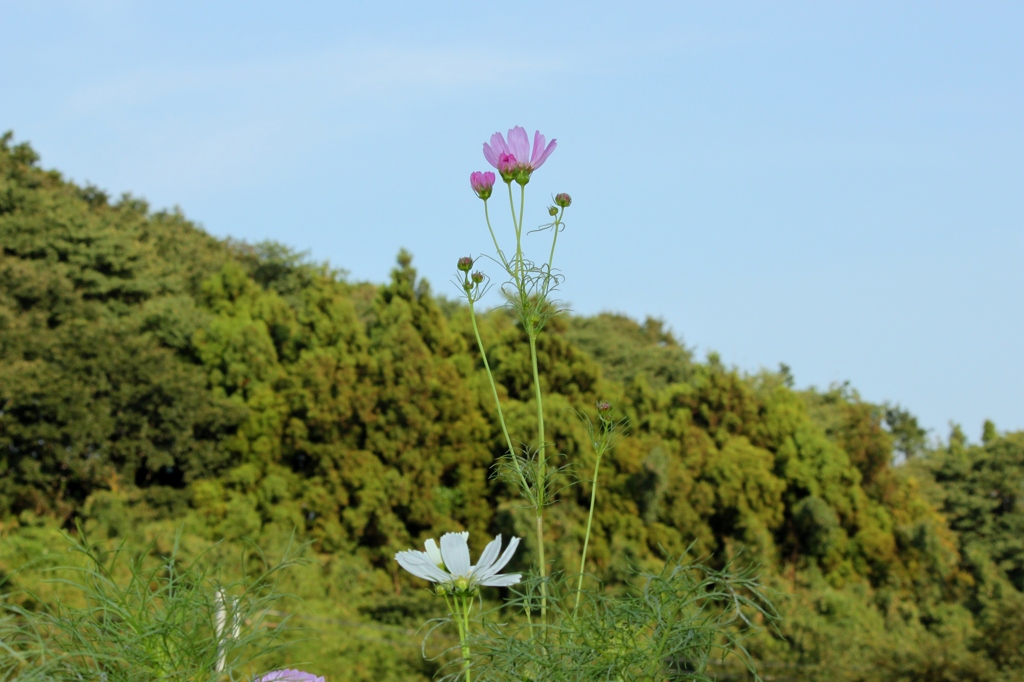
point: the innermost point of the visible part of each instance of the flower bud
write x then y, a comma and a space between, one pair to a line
552, 211
465, 264
482, 184
478, 277
562, 199
603, 406
522, 174
440, 590
507, 167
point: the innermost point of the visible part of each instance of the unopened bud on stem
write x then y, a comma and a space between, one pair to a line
482, 183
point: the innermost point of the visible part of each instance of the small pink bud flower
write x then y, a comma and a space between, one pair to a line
465, 264
552, 211
603, 406
514, 159
562, 199
507, 167
482, 184
477, 277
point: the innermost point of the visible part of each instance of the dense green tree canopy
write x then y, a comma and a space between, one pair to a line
152, 372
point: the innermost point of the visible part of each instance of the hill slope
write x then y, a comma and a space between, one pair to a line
151, 374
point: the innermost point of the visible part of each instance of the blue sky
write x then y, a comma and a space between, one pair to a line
835, 186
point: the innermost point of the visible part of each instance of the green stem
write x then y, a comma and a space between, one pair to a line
519, 238
461, 617
497, 402
522, 203
501, 254
586, 538
519, 243
541, 476
463, 636
541, 458
512, 205
551, 258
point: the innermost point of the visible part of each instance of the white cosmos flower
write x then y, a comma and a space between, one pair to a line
449, 565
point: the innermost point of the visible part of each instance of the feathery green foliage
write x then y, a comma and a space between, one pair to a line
118, 617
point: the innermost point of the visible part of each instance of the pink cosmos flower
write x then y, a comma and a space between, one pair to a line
290, 676
513, 159
482, 183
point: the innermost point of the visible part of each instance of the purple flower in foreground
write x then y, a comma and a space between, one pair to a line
513, 158
482, 183
290, 676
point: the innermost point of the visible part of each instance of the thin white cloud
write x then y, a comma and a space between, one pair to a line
323, 77
191, 126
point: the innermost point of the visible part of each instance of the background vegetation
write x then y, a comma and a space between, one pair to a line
157, 383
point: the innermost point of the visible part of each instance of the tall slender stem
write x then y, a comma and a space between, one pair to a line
529, 319
512, 205
497, 402
460, 613
541, 478
501, 254
519, 239
522, 205
586, 538
464, 630
554, 241
516, 223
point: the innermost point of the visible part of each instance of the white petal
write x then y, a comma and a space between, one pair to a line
489, 555
434, 553
506, 556
411, 561
420, 565
501, 580
440, 575
455, 550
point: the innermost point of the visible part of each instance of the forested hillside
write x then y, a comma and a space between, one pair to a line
155, 379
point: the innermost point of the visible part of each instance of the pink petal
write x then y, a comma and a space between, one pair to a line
539, 161
498, 142
494, 150
506, 162
538, 147
481, 181
490, 155
519, 144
